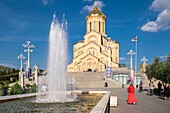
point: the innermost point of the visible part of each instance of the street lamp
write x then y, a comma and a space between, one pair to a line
21, 57
144, 60
109, 47
131, 53
28, 45
26, 64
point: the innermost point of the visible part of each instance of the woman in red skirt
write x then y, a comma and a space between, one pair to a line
131, 96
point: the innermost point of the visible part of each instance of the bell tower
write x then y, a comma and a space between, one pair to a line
95, 21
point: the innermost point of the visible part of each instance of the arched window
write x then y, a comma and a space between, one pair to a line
99, 26
100, 68
116, 59
89, 63
92, 39
94, 25
78, 68
90, 26
93, 52
103, 26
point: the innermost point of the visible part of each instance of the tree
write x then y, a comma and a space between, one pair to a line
167, 70
4, 88
8, 72
149, 72
33, 89
160, 70
4, 73
16, 89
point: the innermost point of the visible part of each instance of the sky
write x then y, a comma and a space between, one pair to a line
30, 20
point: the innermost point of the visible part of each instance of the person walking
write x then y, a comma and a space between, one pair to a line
167, 92
159, 88
105, 84
140, 86
151, 88
131, 95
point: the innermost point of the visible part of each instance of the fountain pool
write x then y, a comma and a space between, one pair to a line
85, 104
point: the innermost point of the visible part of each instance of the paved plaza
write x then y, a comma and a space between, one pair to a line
146, 104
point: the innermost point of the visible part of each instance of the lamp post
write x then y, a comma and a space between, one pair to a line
21, 57
131, 53
26, 64
109, 47
28, 45
144, 60
21, 73
36, 74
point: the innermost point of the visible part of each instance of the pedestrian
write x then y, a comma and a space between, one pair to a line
140, 86
105, 84
131, 95
151, 88
136, 85
164, 89
159, 88
167, 92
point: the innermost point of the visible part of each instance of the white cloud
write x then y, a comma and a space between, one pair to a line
45, 2
160, 5
89, 8
122, 58
87, 0
163, 20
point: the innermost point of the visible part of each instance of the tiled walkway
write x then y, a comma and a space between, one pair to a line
146, 104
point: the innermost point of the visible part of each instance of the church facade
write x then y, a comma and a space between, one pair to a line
96, 51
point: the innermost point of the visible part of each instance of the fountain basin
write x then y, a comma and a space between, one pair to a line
101, 106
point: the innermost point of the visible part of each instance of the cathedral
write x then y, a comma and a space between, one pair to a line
97, 51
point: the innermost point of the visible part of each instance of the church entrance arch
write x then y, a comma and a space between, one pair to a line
89, 70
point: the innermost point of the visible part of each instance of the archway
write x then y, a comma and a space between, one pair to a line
89, 70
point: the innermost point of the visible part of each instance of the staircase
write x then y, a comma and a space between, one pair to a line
92, 80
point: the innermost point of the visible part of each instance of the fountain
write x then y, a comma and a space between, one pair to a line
56, 80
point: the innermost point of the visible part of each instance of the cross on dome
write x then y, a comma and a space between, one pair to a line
95, 3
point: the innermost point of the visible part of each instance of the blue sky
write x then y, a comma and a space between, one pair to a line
23, 20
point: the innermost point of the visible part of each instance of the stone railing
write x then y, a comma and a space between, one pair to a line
103, 106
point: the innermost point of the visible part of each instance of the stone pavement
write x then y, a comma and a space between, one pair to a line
146, 103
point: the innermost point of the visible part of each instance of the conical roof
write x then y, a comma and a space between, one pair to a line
96, 11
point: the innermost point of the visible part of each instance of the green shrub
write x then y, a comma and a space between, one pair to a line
3, 89
1, 92
33, 89
16, 89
